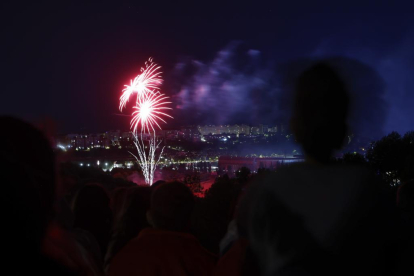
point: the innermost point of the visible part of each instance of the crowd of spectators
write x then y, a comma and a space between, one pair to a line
313, 218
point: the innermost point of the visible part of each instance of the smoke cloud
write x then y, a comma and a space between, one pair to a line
240, 85
237, 86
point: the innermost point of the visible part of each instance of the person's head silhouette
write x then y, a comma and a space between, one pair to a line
319, 112
171, 207
28, 188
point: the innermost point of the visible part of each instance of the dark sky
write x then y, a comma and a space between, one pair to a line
70, 61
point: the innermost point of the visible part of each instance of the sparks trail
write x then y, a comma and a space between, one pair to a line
147, 160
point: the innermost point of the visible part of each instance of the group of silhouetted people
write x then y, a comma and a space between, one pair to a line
312, 218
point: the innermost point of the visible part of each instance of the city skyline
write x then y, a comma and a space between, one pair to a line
224, 126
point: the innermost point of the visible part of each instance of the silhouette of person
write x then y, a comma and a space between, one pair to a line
93, 214
167, 248
28, 188
405, 203
132, 221
317, 217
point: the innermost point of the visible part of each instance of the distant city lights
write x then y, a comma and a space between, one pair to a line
61, 147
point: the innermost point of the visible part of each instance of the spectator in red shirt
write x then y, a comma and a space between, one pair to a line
167, 248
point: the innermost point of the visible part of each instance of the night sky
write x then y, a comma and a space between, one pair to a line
221, 62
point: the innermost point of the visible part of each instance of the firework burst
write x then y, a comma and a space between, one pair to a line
148, 110
147, 82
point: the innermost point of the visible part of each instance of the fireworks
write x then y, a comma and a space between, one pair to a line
148, 110
150, 107
147, 82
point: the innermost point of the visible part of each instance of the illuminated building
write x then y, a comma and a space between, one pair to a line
220, 129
